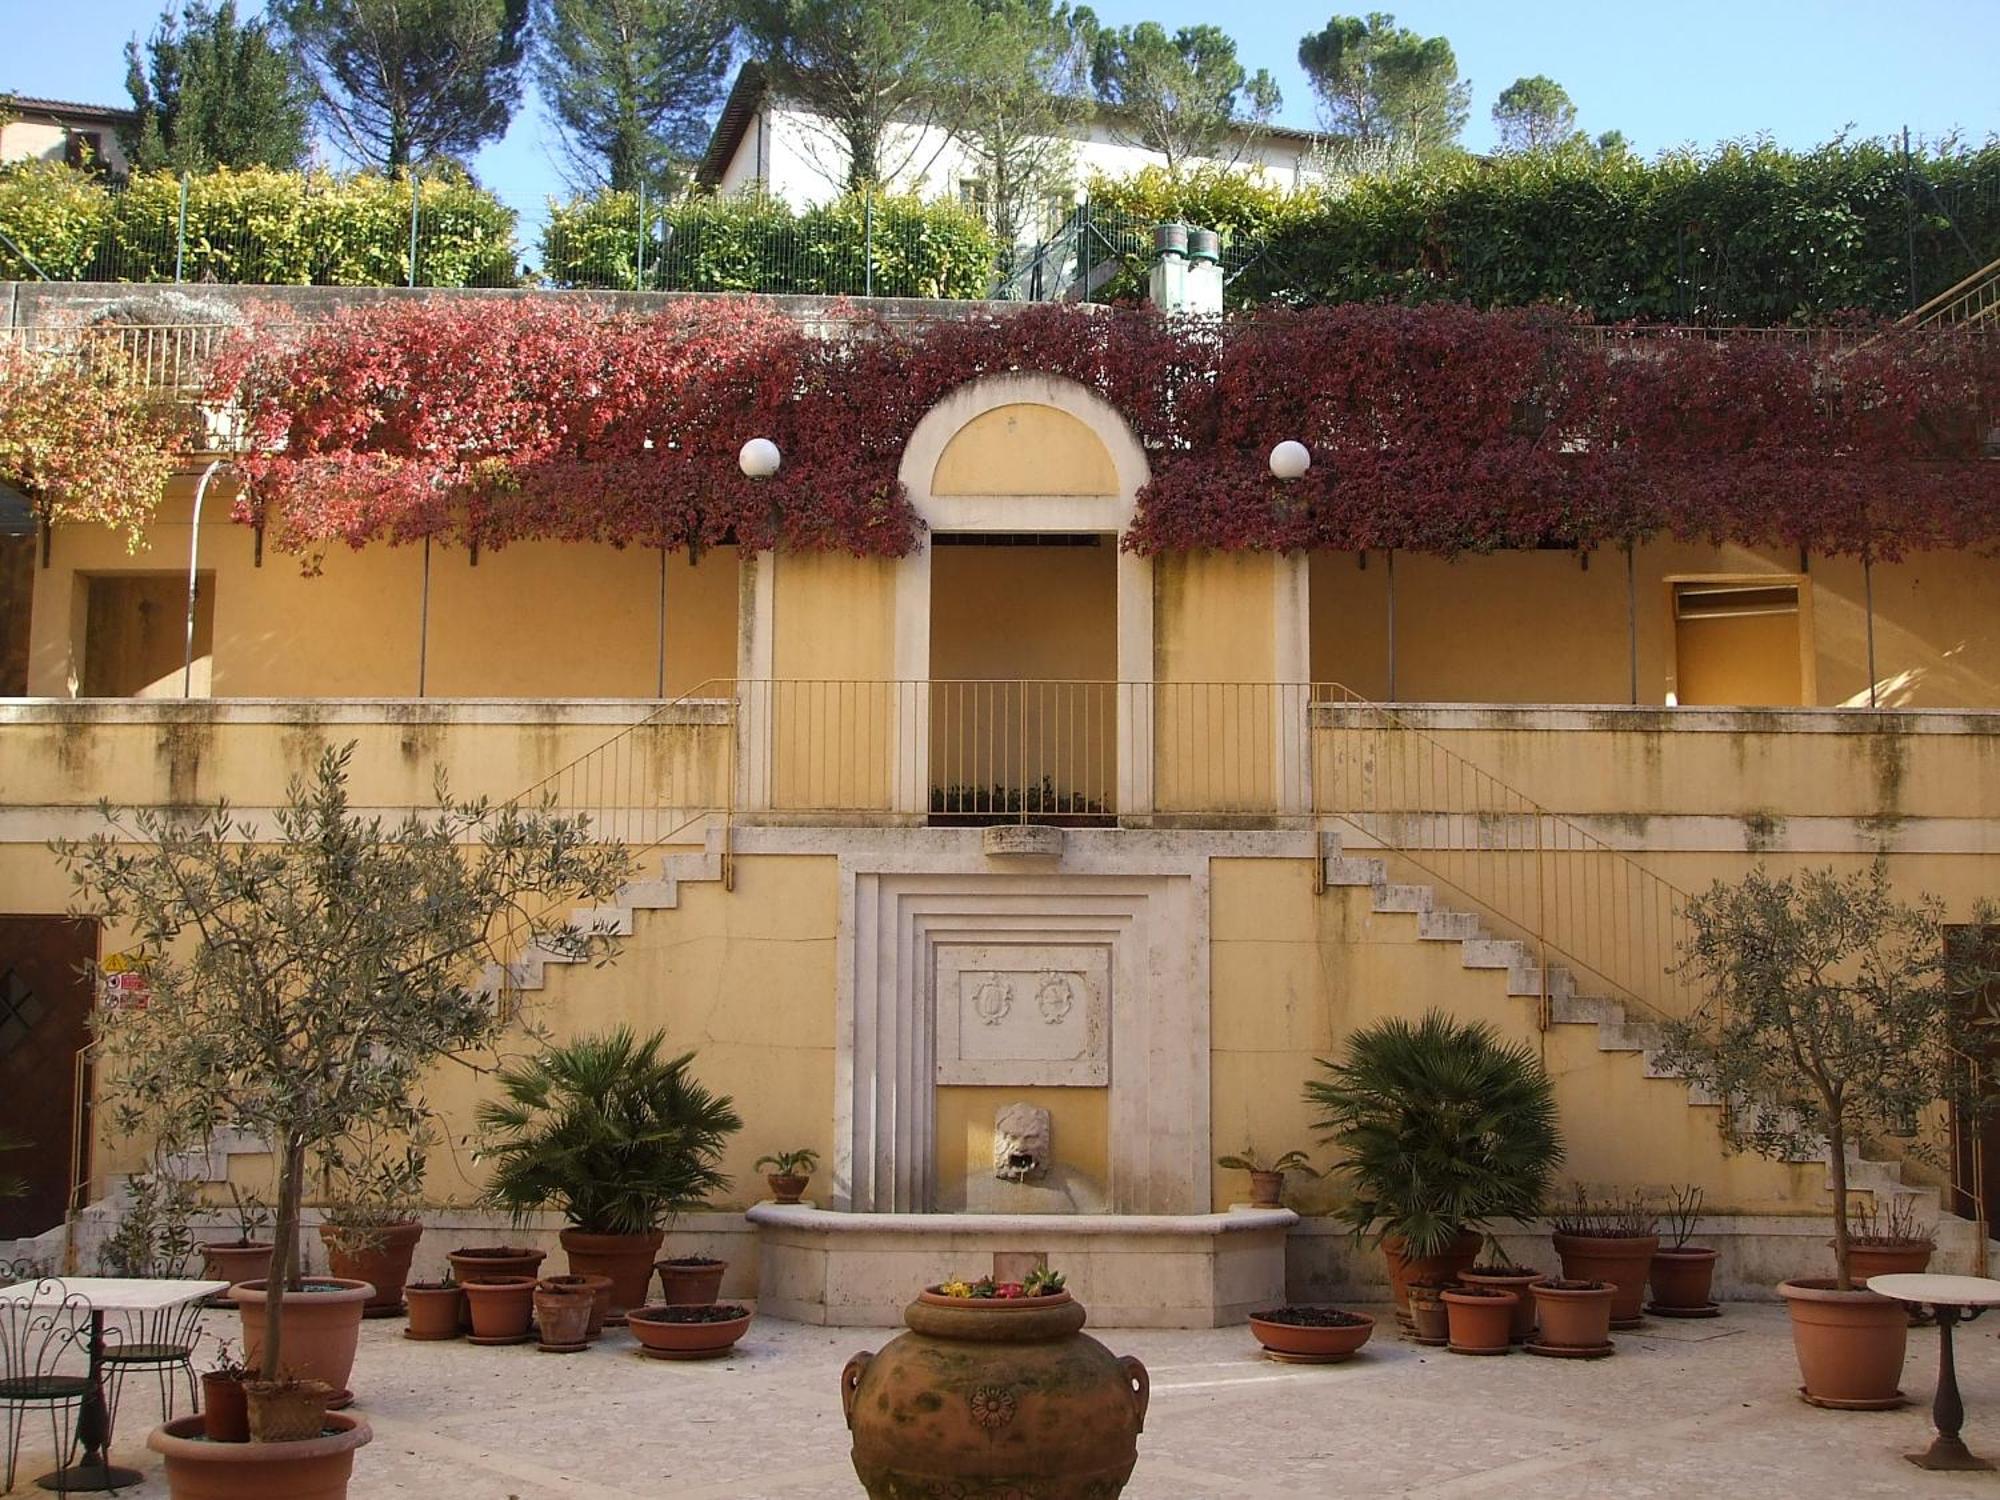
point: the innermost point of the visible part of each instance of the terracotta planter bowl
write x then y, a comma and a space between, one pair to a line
625, 1259
322, 1328
986, 1398
1517, 1282
689, 1280
600, 1296
664, 1340
1307, 1344
786, 1187
1683, 1279
436, 1311
501, 1308
381, 1257
1481, 1322
489, 1262
317, 1469
1574, 1315
1850, 1344
1623, 1260
1440, 1270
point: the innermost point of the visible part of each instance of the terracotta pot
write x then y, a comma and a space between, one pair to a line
1574, 1315
690, 1280
1267, 1189
1439, 1269
436, 1310
1429, 1318
562, 1313
501, 1308
1682, 1279
225, 1409
665, 1339
487, 1262
1481, 1322
1623, 1260
1867, 1258
994, 1398
322, 1327
237, 1260
317, 1469
1309, 1344
627, 1259
286, 1411
1517, 1282
1850, 1344
379, 1256
599, 1288
786, 1187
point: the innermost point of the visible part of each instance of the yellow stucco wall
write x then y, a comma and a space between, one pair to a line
1079, 1136
1024, 449
834, 712
1214, 660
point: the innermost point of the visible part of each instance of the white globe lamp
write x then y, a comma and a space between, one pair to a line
1290, 459
760, 458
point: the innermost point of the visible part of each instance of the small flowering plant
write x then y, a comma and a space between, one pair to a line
1038, 1283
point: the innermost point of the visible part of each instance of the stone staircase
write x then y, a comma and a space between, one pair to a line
1617, 1030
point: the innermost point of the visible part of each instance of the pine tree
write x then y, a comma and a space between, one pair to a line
1534, 114
1183, 95
632, 83
403, 81
1384, 88
212, 91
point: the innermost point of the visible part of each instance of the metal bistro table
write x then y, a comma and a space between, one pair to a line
93, 1419
1954, 1299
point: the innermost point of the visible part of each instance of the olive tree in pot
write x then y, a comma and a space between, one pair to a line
308, 971
1833, 1014
1442, 1128
616, 1138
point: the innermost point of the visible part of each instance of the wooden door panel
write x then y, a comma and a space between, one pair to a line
45, 999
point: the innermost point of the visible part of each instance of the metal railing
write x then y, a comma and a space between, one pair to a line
173, 358
1975, 300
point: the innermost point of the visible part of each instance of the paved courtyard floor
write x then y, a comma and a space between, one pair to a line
1685, 1410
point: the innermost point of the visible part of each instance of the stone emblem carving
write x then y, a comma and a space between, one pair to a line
1023, 1014
992, 1000
1022, 1143
1056, 998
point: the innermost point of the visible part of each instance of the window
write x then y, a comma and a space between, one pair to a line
1739, 642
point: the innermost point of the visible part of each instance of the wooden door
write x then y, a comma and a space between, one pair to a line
45, 999
1975, 1138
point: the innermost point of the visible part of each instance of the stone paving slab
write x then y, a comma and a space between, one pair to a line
1682, 1411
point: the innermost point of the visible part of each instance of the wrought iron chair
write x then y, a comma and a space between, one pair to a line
162, 1342
42, 1367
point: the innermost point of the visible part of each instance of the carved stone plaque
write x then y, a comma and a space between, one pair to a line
1022, 1014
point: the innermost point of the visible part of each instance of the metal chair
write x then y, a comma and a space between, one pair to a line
42, 1349
162, 1342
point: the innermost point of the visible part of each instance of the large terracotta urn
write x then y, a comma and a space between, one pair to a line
989, 1397
322, 1329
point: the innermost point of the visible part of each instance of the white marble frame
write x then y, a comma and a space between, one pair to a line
1100, 514
1156, 925
1089, 963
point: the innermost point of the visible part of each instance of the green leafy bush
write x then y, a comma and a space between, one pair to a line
755, 243
55, 216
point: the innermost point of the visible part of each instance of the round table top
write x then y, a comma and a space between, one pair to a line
1939, 1291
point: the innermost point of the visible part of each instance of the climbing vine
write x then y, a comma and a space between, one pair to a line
1436, 428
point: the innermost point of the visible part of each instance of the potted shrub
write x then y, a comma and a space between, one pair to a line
1682, 1275
1834, 1012
1612, 1241
225, 1410
1481, 1318
491, 1262
1885, 1242
1267, 1184
1442, 1128
502, 1309
1501, 1274
1575, 1318
704, 1332
615, 1137
788, 1173
370, 1226
1310, 1335
690, 1280
247, 1257
307, 973
437, 1308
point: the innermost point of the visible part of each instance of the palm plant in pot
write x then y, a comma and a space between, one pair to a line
1834, 1013
1443, 1128
1267, 1184
617, 1138
308, 972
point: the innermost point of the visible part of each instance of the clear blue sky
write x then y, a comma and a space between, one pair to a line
1667, 73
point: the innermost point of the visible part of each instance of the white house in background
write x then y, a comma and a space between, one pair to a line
57, 130
765, 143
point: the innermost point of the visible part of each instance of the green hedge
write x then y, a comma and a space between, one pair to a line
254, 227
1745, 234
758, 244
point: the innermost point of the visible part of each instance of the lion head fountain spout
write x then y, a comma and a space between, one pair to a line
1021, 1145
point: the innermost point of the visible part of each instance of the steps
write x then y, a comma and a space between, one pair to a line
1617, 1031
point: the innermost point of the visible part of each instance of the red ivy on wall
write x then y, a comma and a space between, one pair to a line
1437, 428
